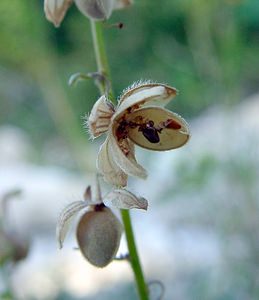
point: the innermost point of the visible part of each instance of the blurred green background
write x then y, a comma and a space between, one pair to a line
208, 50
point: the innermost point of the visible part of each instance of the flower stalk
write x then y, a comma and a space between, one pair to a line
103, 68
100, 56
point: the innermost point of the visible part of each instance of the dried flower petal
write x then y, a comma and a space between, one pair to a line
108, 168
55, 10
171, 129
98, 236
100, 117
123, 155
95, 9
66, 217
151, 94
123, 199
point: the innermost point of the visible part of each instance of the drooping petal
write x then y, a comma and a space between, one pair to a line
123, 199
169, 130
146, 94
100, 117
65, 218
124, 156
108, 168
95, 9
98, 236
55, 10
120, 4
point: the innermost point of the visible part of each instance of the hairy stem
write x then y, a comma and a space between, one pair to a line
103, 68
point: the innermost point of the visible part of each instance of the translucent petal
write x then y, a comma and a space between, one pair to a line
98, 236
169, 138
123, 199
65, 218
108, 168
55, 10
146, 94
95, 9
125, 159
100, 117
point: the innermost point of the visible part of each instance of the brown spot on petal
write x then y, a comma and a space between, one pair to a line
172, 124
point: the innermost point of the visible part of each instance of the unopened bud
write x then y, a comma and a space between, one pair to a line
98, 236
96, 9
55, 10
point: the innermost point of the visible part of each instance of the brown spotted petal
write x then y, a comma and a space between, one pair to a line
123, 199
143, 95
95, 9
124, 156
98, 236
106, 165
100, 117
55, 10
168, 130
65, 218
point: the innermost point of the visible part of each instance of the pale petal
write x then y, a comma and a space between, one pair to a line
120, 4
169, 138
88, 194
123, 199
95, 9
108, 168
100, 117
125, 158
146, 94
65, 218
98, 236
55, 10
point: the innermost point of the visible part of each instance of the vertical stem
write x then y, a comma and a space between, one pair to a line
100, 56
103, 68
134, 258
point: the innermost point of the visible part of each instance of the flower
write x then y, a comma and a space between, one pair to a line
98, 230
139, 118
55, 10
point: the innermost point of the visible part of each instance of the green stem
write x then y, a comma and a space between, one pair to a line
134, 258
103, 68
101, 57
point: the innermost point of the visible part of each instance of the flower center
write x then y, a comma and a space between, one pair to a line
148, 128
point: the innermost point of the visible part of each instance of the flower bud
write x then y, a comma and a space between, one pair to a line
98, 236
55, 10
95, 9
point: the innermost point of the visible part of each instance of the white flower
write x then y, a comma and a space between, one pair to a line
140, 118
55, 10
98, 230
